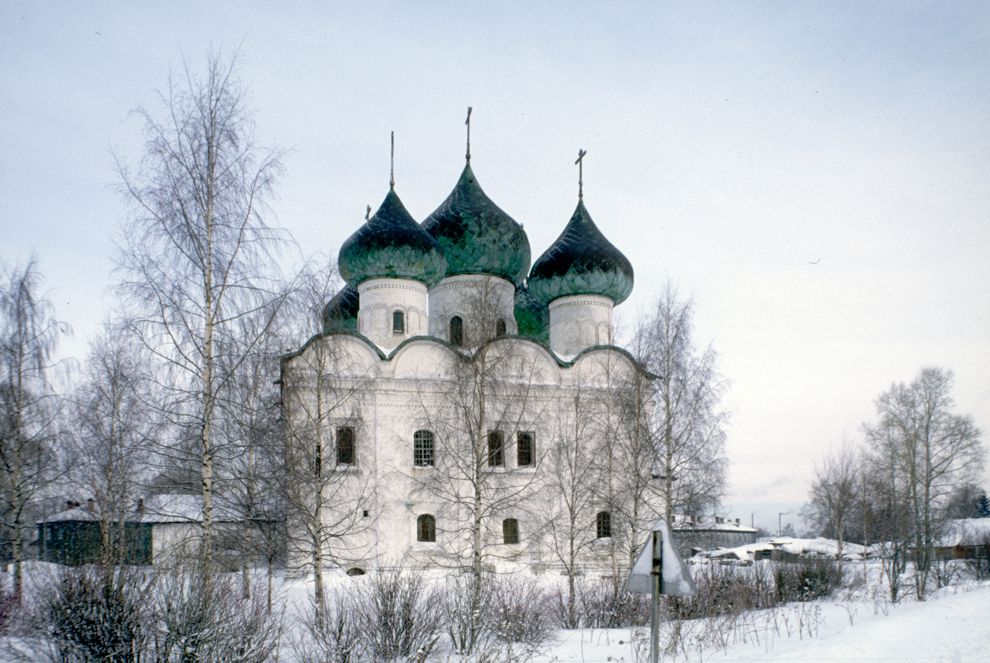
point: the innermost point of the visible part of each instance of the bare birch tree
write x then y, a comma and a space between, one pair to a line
197, 253
928, 451
835, 494
688, 422
114, 428
325, 499
29, 333
476, 416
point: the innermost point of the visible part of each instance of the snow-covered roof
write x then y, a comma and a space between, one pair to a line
966, 532
802, 547
168, 508
683, 523
75, 514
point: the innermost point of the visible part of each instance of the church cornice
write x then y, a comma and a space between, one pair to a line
469, 356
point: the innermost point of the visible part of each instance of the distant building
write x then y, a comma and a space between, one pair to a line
694, 535
160, 527
965, 538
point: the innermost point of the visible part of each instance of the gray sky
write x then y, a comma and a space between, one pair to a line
813, 174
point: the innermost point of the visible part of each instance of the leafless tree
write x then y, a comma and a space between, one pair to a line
29, 333
573, 475
197, 255
688, 422
927, 451
325, 498
487, 394
114, 428
835, 493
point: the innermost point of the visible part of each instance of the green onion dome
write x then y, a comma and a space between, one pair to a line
341, 312
532, 315
581, 262
476, 236
391, 245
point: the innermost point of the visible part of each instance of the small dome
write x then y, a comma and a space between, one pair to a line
391, 245
581, 262
340, 313
476, 236
532, 315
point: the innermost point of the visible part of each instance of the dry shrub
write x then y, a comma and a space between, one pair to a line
603, 603
807, 580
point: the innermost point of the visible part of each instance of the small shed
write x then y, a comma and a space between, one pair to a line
161, 526
964, 538
73, 537
694, 535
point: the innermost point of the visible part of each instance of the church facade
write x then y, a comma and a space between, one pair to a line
464, 408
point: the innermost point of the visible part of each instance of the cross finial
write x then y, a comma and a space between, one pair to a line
367, 213
391, 168
580, 165
467, 123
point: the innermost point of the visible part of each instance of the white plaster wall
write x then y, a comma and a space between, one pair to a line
379, 298
479, 299
579, 322
393, 398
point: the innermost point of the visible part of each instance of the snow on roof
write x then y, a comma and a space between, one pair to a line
966, 532
75, 514
802, 547
682, 523
168, 508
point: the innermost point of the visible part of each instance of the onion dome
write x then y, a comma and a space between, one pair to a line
340, 313
476, 236
532, 315
581, 262
391, 245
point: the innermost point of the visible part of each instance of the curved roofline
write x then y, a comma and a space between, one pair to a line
563, 363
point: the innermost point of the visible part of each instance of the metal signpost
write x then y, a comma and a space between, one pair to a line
659, 570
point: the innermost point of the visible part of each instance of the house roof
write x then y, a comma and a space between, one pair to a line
681, 524
168, 508
966, 532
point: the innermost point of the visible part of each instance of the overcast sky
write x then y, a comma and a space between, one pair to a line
814, 175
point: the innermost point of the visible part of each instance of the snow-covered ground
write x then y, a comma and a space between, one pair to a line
951, 627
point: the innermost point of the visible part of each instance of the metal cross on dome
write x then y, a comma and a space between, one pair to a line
580, 165
391, 167
467, 123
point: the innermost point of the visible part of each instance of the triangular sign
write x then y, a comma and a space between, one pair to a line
676, 579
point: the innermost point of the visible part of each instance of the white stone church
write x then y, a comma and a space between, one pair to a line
463, 408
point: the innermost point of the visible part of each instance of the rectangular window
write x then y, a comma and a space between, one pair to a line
346, 452
423, 448
525, 449
496, 448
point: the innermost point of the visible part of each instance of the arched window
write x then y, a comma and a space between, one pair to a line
525, 450
423, 448
499, 328
398, 322
346, 451
603, 524
457, 331
426, 528
510, 531
496, 448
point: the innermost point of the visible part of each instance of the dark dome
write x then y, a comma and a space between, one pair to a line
340, 313
532, 315
391, 245
581, 262
476, 236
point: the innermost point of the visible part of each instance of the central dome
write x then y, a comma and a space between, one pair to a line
476, 236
